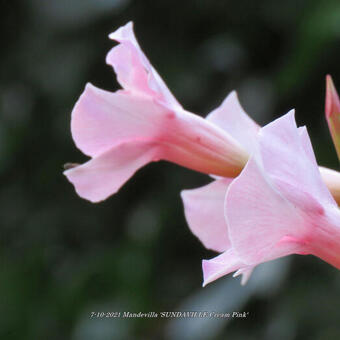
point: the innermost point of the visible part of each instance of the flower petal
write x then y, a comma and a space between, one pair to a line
134, 71
258, 217
246, 273
306, 144
281, 143
103, 176
204, 212
102, 119
223, 264
231, 117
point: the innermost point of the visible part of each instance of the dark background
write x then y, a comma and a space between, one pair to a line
62, 257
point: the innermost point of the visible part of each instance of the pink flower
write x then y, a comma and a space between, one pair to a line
277, 206
142, 123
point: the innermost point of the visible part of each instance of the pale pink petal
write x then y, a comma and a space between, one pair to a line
221, 265
258, 217
130, 71
231, 117
230, 261
204, 212
324, 236
134, 71
282, 144
306, 144
246, 273
102, 119
103, 175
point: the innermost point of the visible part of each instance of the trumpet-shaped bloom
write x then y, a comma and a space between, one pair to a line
142, 123
278, 205
280, 188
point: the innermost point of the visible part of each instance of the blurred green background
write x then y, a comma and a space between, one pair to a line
62, 257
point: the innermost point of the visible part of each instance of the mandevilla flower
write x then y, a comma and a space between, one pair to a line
277, 206
125, 130
143, 123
